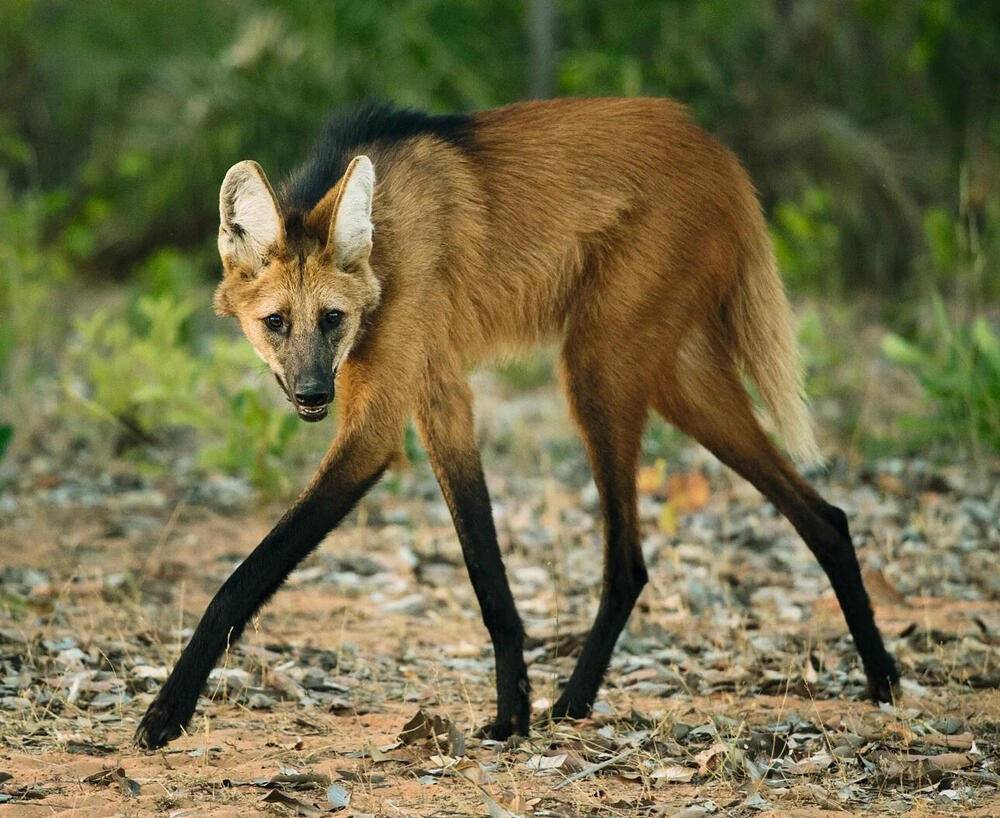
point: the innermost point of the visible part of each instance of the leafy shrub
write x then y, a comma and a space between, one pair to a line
962, 252
138, 371
29, 279
822, 341
661, 441
255, 440
32, 279
959, 370
6, 433
531, 371
807, 243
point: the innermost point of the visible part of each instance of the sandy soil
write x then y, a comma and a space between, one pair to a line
737, 638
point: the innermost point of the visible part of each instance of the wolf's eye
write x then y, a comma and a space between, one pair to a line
333, 318
274, 321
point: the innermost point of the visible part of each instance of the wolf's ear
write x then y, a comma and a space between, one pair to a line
250, 224
351, 226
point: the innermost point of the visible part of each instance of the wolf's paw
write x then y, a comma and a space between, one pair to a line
164, 721
503, 727
570, 707
883, 681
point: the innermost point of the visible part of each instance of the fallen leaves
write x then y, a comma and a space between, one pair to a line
748, 689
296, 805
442, 731
682, 492
672, 774
919, 770
115, 777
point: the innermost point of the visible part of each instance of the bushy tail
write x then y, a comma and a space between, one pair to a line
762, 325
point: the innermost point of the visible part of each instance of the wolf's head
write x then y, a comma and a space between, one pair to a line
299, 291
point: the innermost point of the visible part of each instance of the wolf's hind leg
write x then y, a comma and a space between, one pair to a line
709, 403
611, 419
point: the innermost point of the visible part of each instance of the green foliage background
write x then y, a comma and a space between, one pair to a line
870, 126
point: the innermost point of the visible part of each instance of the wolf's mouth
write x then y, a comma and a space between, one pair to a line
309, 414
313, 413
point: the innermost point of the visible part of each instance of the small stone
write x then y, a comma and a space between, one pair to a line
412, 605
397, 516
73, 658
948, 726
260, 701
105, 701
680, 730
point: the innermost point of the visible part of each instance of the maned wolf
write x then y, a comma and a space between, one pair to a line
410, 248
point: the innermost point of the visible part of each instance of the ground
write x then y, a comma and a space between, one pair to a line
735, 691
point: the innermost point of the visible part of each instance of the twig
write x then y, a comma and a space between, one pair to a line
593, 768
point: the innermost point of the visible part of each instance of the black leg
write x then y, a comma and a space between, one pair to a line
445, 419
611, 434
624, 578
255, 580
738, 441
824, 529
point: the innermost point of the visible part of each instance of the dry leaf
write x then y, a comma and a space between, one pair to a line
643, 674
115, 775
473, 771
688, 491
906, 735
819, 796
494, 810
540, 763
809, 674
962, 741
338, 796
881, 591
814, 764
300, 808
890, 484
709, 759
424, 725
667, 521
949, 761
921, 770
652, 479
672, 774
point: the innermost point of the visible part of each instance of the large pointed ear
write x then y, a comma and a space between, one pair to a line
351, 225
250, 224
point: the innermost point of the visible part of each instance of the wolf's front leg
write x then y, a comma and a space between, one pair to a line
444, 414
355, 462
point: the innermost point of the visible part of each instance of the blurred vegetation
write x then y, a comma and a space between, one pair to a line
870, 126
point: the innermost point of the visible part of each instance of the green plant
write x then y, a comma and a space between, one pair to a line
255, 441
140, 371
807, 243
529, 372
661, 440
32, 296
962, 250
6, 434
958, 367
136, 370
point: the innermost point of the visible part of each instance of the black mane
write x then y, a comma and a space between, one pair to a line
348, 130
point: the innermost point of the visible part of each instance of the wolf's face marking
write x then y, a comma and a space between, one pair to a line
300, 295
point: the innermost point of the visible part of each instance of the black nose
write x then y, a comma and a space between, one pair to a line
312, 394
